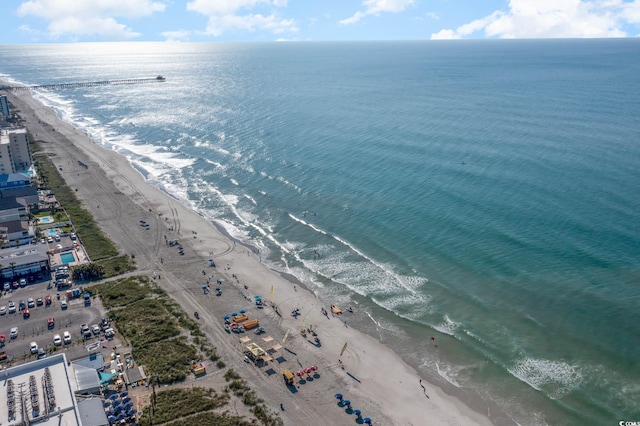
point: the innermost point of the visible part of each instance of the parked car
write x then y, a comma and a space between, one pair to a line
39, 301
6, 286
41, 353
21, 305
12, 307
57, 340
66, 336
86, 333
33, 347
109, 333
31, 303
51, 323
63, 305
73, 236
14, 332
95, 329
47, 300
22, 282
3, 310
25, 313
49, 240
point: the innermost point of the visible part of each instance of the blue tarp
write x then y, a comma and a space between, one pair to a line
105, 377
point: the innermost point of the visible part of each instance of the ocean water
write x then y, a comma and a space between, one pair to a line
485, 193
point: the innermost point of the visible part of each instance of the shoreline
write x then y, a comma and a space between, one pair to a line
388, 396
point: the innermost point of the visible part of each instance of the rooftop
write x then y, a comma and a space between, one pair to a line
39, 391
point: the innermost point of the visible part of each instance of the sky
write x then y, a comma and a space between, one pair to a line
63, 21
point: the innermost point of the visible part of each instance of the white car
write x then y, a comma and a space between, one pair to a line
33, 347
14, 332
31, 303
66, 336
12, 307
63, 305
3, 310
57, 340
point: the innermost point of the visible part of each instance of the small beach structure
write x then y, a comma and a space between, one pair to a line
336, 310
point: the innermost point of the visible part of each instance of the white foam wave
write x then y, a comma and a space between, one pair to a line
250, 198
448, 326
289, 184
233, 181
449, 373
555, 377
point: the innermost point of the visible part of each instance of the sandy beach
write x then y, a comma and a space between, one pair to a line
373, 377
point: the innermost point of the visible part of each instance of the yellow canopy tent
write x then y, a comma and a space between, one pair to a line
256, 350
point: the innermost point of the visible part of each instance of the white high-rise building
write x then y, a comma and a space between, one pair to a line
4, 107
15, 155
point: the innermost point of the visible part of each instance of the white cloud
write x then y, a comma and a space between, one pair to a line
271, 23
178, 35
89, 17
223, 16
375, 7
552, 19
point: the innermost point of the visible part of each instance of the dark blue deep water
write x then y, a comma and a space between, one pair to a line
486, 193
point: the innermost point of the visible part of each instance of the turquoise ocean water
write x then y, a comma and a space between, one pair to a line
486, 193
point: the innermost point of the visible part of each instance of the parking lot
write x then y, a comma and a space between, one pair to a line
35, 328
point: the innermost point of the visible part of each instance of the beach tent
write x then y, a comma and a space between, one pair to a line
256, 350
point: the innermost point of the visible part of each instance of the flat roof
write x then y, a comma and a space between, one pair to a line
43, 387
24, 255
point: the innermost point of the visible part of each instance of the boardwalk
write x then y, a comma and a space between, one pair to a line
157, 79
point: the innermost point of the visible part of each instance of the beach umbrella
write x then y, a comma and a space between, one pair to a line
131, 413
357, 413
128, 406
123, 394
217, 288
113, 397
106, 403
346, 402
121, 416
339, 396
112, 419
299, 373
242, 311
314, 368
234, 314
126, 399
366, 420
226, 317
118, 408
111, 413
204, 286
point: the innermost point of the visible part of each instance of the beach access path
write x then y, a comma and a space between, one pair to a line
374, 378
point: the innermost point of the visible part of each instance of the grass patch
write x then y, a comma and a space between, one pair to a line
121, 293
166, 361
173, 404
144, 322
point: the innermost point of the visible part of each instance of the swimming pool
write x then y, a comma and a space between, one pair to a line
46, 219
52, 232
67, 257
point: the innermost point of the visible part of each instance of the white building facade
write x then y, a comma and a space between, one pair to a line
15, 155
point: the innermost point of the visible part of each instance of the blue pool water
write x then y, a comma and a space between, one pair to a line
46, 219
67, 258
52, 232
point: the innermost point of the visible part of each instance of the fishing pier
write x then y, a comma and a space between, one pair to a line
158, 79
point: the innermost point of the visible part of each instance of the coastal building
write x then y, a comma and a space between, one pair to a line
5, 112
11, 209
24, 261
44, 392
16, 233
15, 155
